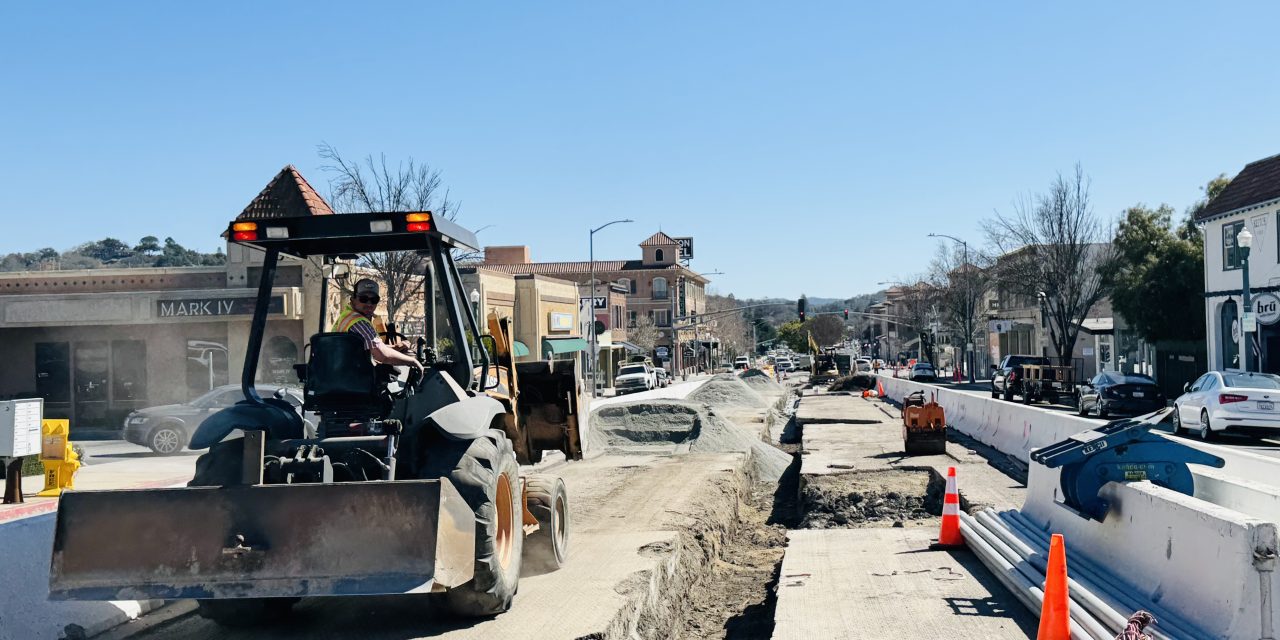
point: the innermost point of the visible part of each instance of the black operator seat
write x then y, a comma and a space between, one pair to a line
340, 372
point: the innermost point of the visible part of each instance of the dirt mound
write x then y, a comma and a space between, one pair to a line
678, 422
760, 381
727, 390
855, 382
869, 499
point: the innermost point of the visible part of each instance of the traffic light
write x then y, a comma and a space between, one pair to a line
846, 314
800, 304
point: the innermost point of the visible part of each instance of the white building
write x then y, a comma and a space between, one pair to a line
1252, 201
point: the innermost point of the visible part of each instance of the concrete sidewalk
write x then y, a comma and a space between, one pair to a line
885, 583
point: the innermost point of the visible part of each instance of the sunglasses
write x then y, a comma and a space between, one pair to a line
368, 299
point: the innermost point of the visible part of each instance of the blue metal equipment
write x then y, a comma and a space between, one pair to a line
1120, 451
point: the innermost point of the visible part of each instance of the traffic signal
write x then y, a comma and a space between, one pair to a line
800, 304
846, 314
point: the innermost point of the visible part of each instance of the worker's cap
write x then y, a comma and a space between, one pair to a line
365, 286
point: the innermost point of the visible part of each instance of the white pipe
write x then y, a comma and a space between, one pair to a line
1085, 625
1170, 625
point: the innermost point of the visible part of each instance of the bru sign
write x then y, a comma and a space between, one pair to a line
1266, 307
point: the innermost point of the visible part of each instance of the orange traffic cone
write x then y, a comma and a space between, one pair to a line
880, 388
866, 393
1055, 612
950, 536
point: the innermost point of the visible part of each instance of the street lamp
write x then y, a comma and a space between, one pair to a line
591, 251
1244, 240
970, 353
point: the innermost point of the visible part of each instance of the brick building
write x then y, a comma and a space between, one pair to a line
657, 285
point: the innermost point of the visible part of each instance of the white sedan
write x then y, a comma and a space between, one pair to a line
1235, 401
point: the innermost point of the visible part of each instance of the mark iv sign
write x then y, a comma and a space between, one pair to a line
213, 307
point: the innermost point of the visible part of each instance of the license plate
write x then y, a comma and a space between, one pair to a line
1266, 405
1138, 394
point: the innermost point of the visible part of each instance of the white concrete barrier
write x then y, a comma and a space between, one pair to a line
1011, 428
25, 610
1191, 556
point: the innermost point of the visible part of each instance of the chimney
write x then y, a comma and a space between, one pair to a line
518, 254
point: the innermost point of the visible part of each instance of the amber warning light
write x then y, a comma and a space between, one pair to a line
418, 222
244, 231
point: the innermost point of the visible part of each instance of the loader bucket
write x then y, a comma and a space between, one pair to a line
357, 538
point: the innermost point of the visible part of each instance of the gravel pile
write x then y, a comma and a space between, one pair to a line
856, 382
727, 390
676, 422
761, 382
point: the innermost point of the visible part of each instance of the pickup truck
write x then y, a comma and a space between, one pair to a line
633, 377
1032, 377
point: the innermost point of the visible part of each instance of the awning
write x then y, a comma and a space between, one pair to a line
1098, 325
519, 348
552, 346
633, 348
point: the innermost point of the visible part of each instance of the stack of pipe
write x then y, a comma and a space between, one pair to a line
1016, 551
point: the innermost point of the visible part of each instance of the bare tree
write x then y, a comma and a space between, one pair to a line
644, 334
826, 329
1054, 249
374, 185
915, 309
962, 279
731, 329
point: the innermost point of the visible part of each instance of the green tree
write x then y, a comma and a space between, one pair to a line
147, 245
1159, 278
107, 250
793, 335
826, 329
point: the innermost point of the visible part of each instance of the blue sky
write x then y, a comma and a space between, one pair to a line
808, 147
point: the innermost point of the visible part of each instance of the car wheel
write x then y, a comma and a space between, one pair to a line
1177, 421
167, 439
1206, 433
1081, 410
995, 395
1008, 394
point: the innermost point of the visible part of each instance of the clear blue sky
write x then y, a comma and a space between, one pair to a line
806, 146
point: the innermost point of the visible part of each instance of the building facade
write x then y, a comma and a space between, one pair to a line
658, 287
1250, 201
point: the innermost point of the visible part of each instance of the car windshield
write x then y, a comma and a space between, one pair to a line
1115, 377
625, 371
1017, 361
1252, 380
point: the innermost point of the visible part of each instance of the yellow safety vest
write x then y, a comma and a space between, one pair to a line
348, 319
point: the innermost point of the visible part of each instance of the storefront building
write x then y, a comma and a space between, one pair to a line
1251, 201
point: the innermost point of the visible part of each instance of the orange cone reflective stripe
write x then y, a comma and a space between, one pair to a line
1055, 611
950, 534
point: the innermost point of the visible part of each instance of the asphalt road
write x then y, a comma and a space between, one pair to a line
1264, 446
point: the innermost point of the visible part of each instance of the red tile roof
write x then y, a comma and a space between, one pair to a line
658, 239
288, 195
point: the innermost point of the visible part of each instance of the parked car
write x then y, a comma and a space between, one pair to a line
634, 377
1032, 377
742, 362
863, 364
1112, 393
1228, 401
167, 429
922, 372
785, 364
662, 376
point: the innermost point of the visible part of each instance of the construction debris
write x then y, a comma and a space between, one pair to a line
857, 382
727, 391
892, 498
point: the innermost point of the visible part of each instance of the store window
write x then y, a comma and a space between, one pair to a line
206, 365
631, 319
1231, 254
660, 288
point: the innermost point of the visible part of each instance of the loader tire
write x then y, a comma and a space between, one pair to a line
485, 473
545, 550
220, 466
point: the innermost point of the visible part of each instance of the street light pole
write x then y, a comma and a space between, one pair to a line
970, 354
591, 254
1244, 240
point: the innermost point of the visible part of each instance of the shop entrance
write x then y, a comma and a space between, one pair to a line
94, 384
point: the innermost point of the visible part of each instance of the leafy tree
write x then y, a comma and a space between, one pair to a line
793, 335
106, 250
1159, 278
147, 245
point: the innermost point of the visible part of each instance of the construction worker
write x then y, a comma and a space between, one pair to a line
357, 317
